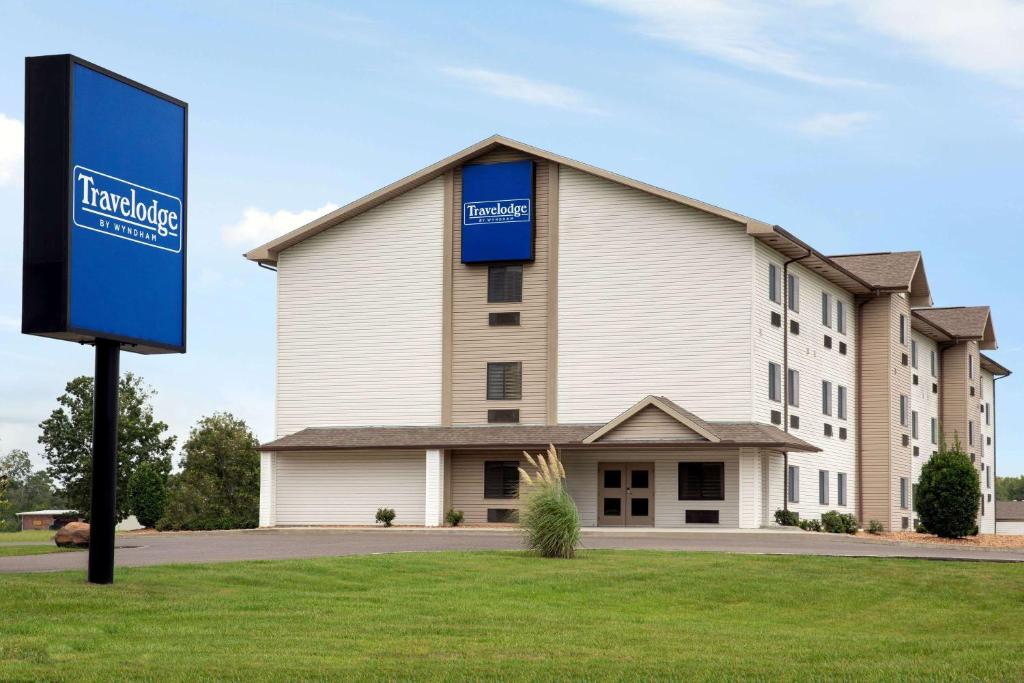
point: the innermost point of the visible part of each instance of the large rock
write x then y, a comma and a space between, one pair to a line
73, 535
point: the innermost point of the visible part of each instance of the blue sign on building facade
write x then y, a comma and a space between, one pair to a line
112, 264
497, 212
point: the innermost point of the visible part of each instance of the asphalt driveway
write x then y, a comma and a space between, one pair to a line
280, 544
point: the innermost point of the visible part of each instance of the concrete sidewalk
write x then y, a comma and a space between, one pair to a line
279, 544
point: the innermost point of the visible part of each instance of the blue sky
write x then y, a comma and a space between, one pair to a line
866, 125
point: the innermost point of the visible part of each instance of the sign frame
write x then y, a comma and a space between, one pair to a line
49, 204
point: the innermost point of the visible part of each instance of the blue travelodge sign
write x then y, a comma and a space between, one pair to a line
497, 212
105, 210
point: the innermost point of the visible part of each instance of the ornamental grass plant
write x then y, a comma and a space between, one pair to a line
549, 516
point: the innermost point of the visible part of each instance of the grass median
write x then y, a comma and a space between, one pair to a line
608, 615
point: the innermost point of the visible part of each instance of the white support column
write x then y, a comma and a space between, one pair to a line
751, 505
771, 485
268, 494
434, 495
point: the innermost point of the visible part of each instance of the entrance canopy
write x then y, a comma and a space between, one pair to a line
654, 421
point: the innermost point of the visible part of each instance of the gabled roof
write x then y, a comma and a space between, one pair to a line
683, 417
958, 323
891, 271
268, 252
992, 366
1010, 510
772, 235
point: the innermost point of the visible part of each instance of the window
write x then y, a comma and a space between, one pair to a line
841, 402
935, 430
702, 481
840, 317
504, 381
822, 487
841, 489
776, 319
503, 416
773, 283
793, 388
903, 409
774, 382
842, 348
934, 362
504, 284
903, 329
828, 342
970, 432
913, 423
988, 477
904, 494
913, 353
826, 309
826, 398
988, 413
501, 479
793, 482
793, 293
970, 366
913, 498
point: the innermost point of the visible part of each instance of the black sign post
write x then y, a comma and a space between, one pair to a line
104, 462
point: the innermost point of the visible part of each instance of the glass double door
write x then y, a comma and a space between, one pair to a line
625, 494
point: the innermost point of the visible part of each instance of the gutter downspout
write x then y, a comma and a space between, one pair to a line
785, 372
995, 451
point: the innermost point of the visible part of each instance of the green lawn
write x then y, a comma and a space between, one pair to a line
29, 536
493, 615
11, 550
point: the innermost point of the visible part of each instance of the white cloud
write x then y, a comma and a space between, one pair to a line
522, 89
258, 226
835, 124
980, 36
12, 149
744, 33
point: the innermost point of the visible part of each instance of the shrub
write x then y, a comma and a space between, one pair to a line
147, 494
385, 516
875, 527
835, 522
809, 524
549, 516
454, 517
948, 493
920, 528
787, 517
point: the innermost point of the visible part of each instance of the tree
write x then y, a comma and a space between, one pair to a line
147, 494
948, 493
67, 440
23, 489
1010, 488
219, 484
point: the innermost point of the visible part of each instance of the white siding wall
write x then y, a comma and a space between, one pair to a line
815, 363
359, 319
669, 511
1014, 528
267, 489
751, 504
349, 487
987, 453
925, 402
653, 298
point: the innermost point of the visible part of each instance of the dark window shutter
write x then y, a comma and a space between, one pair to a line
504, 284
501, 479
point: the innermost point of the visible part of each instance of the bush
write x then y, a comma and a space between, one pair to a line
809, 524
948, 493
147, 494
787, 517
454, 517
920, 528
385, 516
875, 527
835, 522
549, 515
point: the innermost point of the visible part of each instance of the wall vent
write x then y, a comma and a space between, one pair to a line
503, 319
